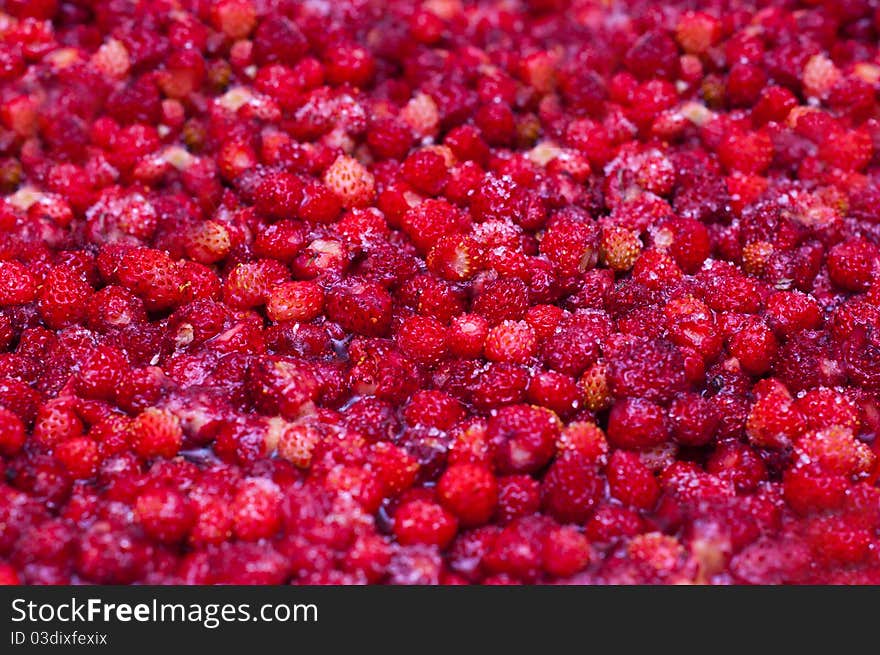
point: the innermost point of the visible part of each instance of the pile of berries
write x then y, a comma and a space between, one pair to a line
439, 292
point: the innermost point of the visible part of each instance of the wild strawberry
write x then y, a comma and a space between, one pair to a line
425, 171
774, 420
738, 463
834, 541
467, 335
694, 419
835, 450
279, 195
430, 220
255, 508
235, 18
164, 514
453, 257
571, 488
825, 408
63, 297
503, 299
422, 339
422, 115
360, 306
18, 286
283, 386
654, 54
792, 311
209, 242
747, 153
424, 522
851, 264
807, 488
389, 138
594, 388
297, 443
434, 409
849, 150
395, 468
620, 248
656, 270
349, 63
584, 438
102, 374
744, 84
111, 433
56, 422
571, 244
574, 344
279, 40
153, 276
156, 433
352, 183
754, 346
12, 435
295, 301
510, 341
646, 368
469, 491
556, 391
523, 438
250, 284
697, 31
630, 481
637, 423
566, 551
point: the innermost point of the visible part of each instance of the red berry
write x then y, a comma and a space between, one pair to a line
566, 551
63, 298
12, 436
572, 244
424, 522
156, 433
80, 456
295, 301
637, 423
470, 492
18, 285
255, 509
165, 514
851, 264
360, 306
523, 438
422, 339
571, 488
630, 481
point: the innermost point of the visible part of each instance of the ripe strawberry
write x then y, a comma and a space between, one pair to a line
56, 422
235, 18
352, 183
510, 341
360, 306
571, 244
295, 301
156, 433
151, 275
18, 286
424, 522
12, 435
80, 456
697, 31
63, 297
620, 248
165, 514
469, 491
